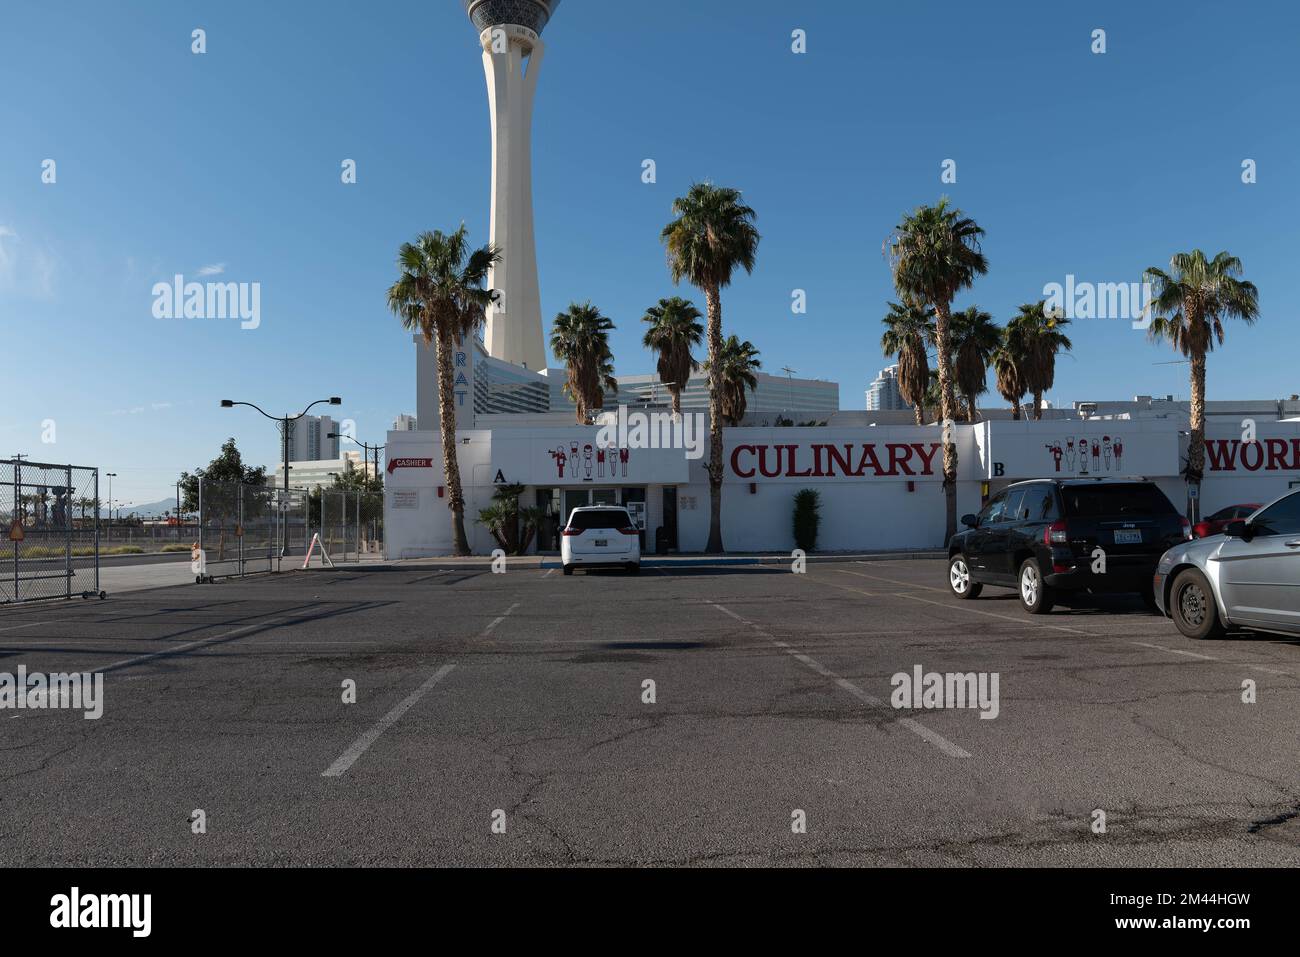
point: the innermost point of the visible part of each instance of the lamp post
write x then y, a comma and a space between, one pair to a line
285, 421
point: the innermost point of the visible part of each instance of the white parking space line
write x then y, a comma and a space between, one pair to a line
938, 740
892, 581
359, 746
993, 614
1174, 651
549, 573
496, 621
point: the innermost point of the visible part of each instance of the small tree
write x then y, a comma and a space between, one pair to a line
220, 492
807, 518
512, 527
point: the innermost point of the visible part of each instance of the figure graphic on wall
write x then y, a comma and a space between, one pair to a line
1096, 456
1118, 446
560, 459
600, 462
586, 460
573, 459
1055, 449
1069, 454
1106, 450
622, 456
1083, 455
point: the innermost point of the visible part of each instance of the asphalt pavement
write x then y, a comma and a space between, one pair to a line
509, 719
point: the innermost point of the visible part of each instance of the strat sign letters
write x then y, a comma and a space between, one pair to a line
835, 460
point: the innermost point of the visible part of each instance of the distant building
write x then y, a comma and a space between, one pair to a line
883, 394
404, 423
309, 439
313, 473
794, 399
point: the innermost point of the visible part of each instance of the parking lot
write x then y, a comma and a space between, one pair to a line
526, 693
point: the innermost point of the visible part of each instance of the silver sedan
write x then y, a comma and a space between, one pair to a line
1248, 577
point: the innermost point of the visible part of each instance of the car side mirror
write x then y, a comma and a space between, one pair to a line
1239, 529
970, 521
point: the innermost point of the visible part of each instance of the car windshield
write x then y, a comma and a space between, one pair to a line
1091, 501
602, 518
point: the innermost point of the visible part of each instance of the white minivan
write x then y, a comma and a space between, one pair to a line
600, 536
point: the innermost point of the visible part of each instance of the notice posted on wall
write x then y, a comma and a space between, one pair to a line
406, 498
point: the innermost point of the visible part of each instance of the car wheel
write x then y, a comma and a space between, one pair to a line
568, 569
1036, 596
1191, 600
959, 578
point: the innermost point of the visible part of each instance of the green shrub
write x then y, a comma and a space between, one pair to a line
807, 518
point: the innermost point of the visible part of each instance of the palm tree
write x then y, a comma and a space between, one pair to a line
909, 328
712, 235
974, 340
1040, 338
674, 330
440, 294
1008, 361
1189, 305
737, 362
934, 254
580, 339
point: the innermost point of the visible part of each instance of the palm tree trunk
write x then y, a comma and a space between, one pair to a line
714, 301
920, 414
1196, 443
677, 400
1038, 405
447, 423
947, 403
970, 408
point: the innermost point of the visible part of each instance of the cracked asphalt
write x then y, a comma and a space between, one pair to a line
523, 693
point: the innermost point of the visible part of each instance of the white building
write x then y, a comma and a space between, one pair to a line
404, 423
883, 394
784, 397
309, 439
310, 473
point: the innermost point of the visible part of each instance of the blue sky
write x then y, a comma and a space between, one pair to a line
167, 162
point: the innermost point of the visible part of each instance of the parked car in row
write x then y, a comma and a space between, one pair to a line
599, 536
1051, 537
1216, 523
1248, 577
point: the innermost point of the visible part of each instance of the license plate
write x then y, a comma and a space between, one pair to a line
1128, 537
601, 542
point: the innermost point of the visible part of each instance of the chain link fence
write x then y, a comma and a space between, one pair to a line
49, 517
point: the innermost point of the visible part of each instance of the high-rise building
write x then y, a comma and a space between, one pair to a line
510, 32
309, 439
404, 423
883, 394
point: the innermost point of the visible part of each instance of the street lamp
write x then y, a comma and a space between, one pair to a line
368, 448
285, 421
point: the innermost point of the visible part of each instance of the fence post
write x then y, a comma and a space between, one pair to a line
67, 529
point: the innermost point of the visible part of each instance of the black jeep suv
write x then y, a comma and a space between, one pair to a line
1050, 536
